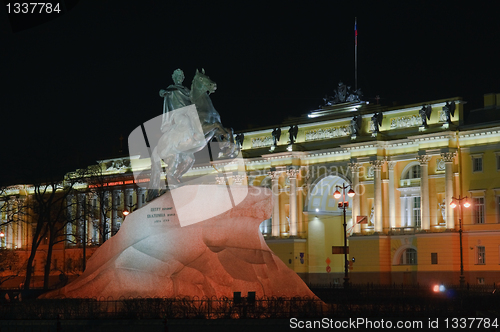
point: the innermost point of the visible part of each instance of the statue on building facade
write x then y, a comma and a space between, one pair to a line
276, 136
449, 111
442, 207
372, 216
239, 138
425, 114
356, 126
376, 122
292, 134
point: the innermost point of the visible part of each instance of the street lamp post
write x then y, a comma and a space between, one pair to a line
453, 204
344, 204
128, 210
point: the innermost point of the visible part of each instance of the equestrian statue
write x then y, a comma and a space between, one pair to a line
187, 130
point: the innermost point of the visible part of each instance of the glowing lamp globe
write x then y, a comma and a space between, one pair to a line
467, 204
351, 193
453, 204
336, 194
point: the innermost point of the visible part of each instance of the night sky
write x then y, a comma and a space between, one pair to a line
71, 86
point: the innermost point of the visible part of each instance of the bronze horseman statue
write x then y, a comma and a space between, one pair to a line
185, 132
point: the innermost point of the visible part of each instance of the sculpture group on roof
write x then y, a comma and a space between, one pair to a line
343, 94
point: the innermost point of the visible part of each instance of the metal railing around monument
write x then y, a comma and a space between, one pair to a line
362, 300
160, 308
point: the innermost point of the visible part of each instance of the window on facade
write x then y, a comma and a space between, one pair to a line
434, 258
498, 161
416, 211
478, 210
481, 259
409, 257
411, 214
413, 173
480, 281
477, 164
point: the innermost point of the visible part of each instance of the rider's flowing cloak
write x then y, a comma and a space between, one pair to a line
176, 96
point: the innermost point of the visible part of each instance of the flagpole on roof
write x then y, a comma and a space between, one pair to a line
355, 55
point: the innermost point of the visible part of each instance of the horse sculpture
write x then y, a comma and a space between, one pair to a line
187, 135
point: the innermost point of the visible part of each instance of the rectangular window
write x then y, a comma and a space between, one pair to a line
434, 258
481, 252
478, 210
416, 212
477, 164
411, 257
498, 161
480, 281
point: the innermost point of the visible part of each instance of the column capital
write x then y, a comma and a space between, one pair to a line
354, 166
391, 165
274, 174
423, 159
448, 156
292, 173
377, 164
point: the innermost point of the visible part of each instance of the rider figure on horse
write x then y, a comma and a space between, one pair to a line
174, 97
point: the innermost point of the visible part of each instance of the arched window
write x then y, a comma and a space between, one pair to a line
408, 257
412, 173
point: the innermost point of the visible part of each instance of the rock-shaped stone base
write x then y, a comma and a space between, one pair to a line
161, 251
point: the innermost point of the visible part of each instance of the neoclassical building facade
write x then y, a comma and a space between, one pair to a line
406, 165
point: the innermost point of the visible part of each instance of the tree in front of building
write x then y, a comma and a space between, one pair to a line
48, 209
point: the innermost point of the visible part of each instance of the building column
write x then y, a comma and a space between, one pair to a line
392, 199
81, 216
448, 161
292, 175
91, 217
139, 192
356, 199
23, 222
69, 211
424, 192
377, 190
116, 205
128, 201
275, 175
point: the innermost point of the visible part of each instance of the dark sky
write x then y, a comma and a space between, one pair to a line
71, 86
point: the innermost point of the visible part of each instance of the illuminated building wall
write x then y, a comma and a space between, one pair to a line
405, 175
